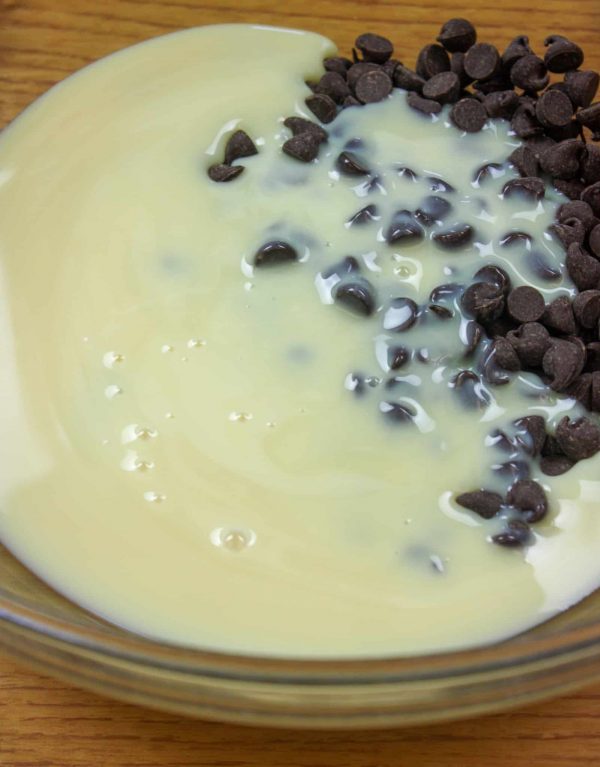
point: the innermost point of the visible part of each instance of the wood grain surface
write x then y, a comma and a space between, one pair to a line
44, 723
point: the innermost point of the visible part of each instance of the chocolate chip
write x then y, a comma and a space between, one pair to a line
515, 50
539, 144
457, 35
348, 164
577, 209
525, 161
337, 64
571, 188
582, 86
359, 69
532, 433
372, 87
590, 116
398, 412
501, 104
489, 170
322, 106
432, 209
364, 216
303, 147
390, 67
551, 447
595, 394
500, 327
529, 73
501, 82
569, 131
578, 439
446, 292
432, 60
358, 297
397, 357
483, 301
224, 173
299, 125
239, 145
563, 362
594, 240
528, 497
354, 144
559, 316
562, 55
437, 184
482, 61
404, 229
590, 164
531, 341
473, 333
528, 187
493, 372
407, 79
274, 253
540, 266
407, 173
554, 109
505, 355
441, 312
457, 66
592, 362
562, 160
591, 195
426, 106
524, 121
401, 315
494, 275
467, 385
374, 47
333, 85
586, 307
569, 231
468, 115
350, 101
457, 236
513, 470
348, 265
555, 465
525, 304
518, 238
583, 269
517, 534
443, 88
483, 502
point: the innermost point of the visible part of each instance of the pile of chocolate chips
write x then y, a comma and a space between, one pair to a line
557, 123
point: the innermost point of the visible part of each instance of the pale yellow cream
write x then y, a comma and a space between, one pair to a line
180, 452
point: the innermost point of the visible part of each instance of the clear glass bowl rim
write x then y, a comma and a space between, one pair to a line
556, 649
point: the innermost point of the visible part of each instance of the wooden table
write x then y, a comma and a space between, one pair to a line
44, 723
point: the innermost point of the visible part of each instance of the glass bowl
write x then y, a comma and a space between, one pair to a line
46, 631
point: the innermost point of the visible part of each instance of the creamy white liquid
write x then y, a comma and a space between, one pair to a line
181, 450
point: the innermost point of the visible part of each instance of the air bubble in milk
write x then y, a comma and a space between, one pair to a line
196, 343
166, 348
112, 391
233, 539
133, 462
134, 431
153, 497
240, 417
110, 359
